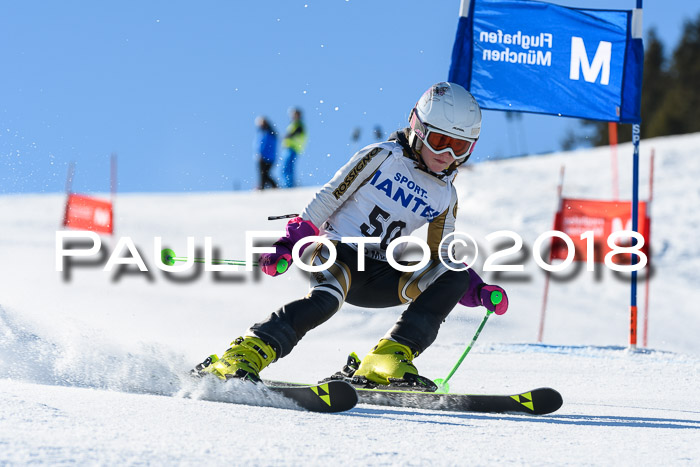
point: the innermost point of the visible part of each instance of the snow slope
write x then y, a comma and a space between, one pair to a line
91, 361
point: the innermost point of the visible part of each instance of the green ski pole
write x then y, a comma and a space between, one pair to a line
168, 257
443, 387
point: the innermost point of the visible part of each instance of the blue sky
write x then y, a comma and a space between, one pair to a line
173, 87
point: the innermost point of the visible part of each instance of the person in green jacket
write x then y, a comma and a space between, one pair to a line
293, 142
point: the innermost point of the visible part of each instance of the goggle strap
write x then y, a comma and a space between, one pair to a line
417, 125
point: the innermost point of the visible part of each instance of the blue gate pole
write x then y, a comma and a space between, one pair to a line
636, 133
635, 227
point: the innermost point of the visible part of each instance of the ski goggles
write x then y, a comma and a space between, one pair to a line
439, 141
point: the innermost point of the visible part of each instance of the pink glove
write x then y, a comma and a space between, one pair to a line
274, 264
494, 298
481, 294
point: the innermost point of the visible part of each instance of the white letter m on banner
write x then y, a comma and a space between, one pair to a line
601, 61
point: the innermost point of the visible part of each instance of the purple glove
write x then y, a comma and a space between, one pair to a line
481, 294
274, 264
471, 298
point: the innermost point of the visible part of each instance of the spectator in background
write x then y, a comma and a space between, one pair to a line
294, 142
378, 133
266, 150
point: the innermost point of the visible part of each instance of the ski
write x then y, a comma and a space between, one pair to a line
539, 401
324, 397
327, 397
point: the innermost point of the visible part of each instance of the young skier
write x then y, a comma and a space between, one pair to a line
386, 190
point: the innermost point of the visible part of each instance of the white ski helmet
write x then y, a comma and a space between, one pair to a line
448, 119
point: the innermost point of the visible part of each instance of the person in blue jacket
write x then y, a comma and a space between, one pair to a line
266, 150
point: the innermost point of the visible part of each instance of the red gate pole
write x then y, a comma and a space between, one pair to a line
69, 190
545, 294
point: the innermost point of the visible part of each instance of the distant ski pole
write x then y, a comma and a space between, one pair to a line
443, 387
167, 256
283, 216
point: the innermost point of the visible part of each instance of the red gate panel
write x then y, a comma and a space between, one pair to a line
86, 213
602, 218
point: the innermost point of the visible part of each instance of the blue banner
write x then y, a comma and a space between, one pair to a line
531, 56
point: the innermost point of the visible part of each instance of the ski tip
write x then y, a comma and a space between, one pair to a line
328, 397
540, 401
343, 395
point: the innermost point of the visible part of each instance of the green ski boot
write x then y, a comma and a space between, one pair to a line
245, 359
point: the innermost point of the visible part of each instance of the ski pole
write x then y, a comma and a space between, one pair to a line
443, 387
168, 257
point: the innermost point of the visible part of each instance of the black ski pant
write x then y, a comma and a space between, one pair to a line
433, 292
265, 178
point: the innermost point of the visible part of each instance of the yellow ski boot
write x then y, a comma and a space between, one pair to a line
388, 359
245, 359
